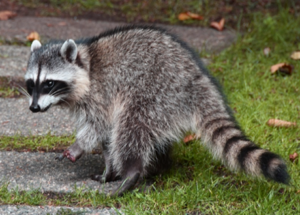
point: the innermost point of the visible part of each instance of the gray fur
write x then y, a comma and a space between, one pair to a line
138, 89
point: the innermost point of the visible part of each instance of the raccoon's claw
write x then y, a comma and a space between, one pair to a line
128, 184
105, 177
100, 178
60, 158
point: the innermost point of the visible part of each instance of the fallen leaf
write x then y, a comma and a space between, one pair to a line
33, 36
282, 68
293, 156
189, 138
275, 67
267, 51
218, 25
194, 16
295, 55
280, 123
183, 16
189, 15
5, 15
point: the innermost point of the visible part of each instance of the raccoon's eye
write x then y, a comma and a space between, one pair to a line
49, 84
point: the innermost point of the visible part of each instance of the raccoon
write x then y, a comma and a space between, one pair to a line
134, 91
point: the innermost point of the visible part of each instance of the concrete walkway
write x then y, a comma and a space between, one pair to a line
46, 210
56, 28
27, 171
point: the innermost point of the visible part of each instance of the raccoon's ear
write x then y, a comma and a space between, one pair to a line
35, 45
69, 50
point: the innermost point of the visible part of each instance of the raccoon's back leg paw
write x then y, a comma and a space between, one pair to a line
107, 176
73, 153
128, 184
131, 176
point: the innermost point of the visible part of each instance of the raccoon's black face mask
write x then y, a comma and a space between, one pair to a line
48, 92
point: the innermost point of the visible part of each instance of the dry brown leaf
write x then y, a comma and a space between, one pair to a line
295, 55
6, 14
267, 51
293, 156
282, 68
275, 67
189, 15
194, 16
189, 138
280, 123
218, 25
33, 36
183, 16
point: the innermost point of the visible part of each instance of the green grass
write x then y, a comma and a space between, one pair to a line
47, 142
197, 183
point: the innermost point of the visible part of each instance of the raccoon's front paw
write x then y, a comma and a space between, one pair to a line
73, 153
66, 154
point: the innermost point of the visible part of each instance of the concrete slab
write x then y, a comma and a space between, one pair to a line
46, 210
16, 118
13, 60
28, 171
58, 28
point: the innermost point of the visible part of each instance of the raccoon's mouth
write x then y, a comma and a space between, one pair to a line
46, 108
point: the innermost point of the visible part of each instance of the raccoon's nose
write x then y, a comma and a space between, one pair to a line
35, 108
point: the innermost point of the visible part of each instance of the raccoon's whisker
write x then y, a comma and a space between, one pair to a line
53, 90
53, 93
23, 91
66, 102
50, 93
58, 92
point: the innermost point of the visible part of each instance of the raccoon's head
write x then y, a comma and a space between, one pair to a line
56, 74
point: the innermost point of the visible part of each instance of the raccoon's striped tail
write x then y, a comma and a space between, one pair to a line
228, 143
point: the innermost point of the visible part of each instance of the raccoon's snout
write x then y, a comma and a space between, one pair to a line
35, 108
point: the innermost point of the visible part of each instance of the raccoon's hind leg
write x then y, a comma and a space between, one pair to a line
73, 153
136, 168
109, 174
132, 150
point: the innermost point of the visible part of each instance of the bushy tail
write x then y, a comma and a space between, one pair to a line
227, 142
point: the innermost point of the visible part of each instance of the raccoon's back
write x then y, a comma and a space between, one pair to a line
150, 63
